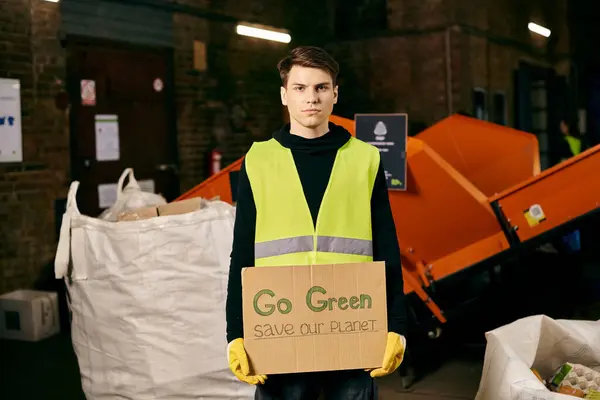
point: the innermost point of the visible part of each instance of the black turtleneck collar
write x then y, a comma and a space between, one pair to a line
332, 140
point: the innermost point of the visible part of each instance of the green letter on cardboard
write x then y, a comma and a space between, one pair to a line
271, 307
322, 304
364, 301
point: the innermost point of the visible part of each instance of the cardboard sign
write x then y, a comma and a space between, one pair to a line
387, 132
314, 318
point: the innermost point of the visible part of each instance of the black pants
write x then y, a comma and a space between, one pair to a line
335, 385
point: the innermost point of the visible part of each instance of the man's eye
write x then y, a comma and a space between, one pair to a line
298, 88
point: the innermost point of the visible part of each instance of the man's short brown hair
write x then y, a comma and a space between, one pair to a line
310, 57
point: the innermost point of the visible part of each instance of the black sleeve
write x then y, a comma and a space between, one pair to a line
386, 248
242, 254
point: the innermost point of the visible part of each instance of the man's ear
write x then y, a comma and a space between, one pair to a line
283, 93
335, 94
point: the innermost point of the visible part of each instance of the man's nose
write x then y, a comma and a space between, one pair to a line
311, 96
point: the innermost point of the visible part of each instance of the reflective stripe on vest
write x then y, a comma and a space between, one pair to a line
326, 244
285, 233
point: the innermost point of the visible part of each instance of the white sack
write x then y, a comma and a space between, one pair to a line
148, 304
130, 198
535, 342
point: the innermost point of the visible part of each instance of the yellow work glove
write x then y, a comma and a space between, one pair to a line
393, 356
239, 365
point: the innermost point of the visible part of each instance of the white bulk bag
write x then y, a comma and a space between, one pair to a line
536, 342
130, 198
148, 303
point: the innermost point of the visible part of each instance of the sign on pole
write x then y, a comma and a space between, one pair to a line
387, 132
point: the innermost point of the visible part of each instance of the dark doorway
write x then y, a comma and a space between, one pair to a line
134, 92
541, 101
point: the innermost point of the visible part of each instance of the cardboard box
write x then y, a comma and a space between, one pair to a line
314, 318
181, 207
29, 315
174, 208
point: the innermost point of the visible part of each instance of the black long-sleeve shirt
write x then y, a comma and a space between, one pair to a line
314, 160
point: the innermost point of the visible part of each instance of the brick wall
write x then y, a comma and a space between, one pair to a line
191, 86
236, 100
31, 53
232, 103
393, 74
419, 14
492, 54
406, 69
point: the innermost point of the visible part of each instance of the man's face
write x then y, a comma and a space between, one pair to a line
309, 96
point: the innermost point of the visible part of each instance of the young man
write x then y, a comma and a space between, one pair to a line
313, 179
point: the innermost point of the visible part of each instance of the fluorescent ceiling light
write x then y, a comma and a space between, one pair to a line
540, 30
52, 1
267, 34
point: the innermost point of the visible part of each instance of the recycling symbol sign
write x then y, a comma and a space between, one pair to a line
380, 131
387, 132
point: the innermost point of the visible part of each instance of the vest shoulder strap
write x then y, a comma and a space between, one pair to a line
261, 152
265, 147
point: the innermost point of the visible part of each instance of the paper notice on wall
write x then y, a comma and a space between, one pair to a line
107, 137
11, 144
107, 194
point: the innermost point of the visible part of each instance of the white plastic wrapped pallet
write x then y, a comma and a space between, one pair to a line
148, 303
536, 342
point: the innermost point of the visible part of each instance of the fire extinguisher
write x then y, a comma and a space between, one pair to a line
215, 161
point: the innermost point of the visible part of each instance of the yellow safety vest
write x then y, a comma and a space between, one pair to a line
574, 144
285, 233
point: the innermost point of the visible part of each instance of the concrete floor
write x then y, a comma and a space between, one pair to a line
455, 379
47, 370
